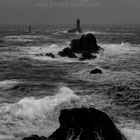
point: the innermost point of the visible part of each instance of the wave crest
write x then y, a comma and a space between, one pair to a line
31, 108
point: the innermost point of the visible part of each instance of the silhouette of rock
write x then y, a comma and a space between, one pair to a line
96, 71
67, 52
86, 56
86, 44
50, 55
46, 54
35, 137
86, 124
40, 54
83, 124
77, 29
19, 87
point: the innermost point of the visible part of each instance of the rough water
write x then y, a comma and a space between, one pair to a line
34, 88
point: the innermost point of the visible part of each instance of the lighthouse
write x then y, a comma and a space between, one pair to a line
77, 29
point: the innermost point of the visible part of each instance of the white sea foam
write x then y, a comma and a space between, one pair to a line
23, 38
8, 83
18, 39
93, 32
131, 134
31, 108
122, 48
34, 52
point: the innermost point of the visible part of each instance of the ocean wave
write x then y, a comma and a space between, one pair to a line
31, 108
23, 38
39, 53
122, 48
94, 32
8, 83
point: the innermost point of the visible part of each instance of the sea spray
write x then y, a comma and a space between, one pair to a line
31, 108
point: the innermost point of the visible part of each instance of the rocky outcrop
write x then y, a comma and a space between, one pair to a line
46, 54
35, 137
84, 124
67, 52
86, 45
87, 56
96, 71
50, 55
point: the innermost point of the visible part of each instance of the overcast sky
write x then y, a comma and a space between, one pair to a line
66, 11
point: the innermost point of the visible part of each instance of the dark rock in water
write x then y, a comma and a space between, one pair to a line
50, 55
96, 71
40, 54
83, 124
67, 52
35, 137
86, 56
46, 54
86, 124
77, 29
86, 44
19, 87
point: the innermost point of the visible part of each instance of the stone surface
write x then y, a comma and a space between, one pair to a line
35, 137
50, 55
96, 71
67, 52
86, 44
87, 56
86, 124
83, 124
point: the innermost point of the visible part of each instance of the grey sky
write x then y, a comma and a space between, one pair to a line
66, 11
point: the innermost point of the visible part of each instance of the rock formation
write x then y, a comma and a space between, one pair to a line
67, 52
83, 124
96, 71
86, 45
35, 137
86, 124
87, 56
50, 55
77, 29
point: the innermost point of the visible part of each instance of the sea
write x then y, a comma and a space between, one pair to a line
35, 87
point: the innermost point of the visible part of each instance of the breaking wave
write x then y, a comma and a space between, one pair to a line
31, 108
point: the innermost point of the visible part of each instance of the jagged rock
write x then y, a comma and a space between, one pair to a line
35, 137
67, 52
96, 71
46, 54
85, 124
86, 44
40, 54
86, 56
50, 55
